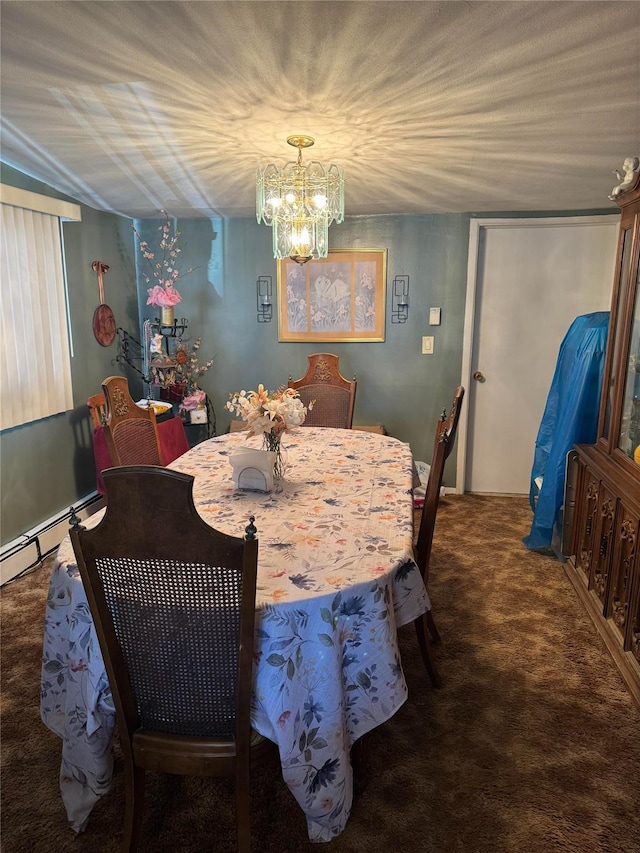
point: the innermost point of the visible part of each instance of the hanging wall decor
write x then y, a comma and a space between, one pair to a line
337, 298
104, 323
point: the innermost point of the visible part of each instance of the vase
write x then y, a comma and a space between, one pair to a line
166, 316
273, 442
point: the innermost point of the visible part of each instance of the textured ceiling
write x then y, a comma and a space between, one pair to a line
429, 107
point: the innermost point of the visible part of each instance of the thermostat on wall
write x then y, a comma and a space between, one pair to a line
434, 316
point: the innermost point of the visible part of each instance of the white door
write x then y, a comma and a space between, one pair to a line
528, 280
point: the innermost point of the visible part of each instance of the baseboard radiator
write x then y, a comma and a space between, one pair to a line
28, 550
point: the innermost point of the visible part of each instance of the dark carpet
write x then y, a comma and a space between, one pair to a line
532, 745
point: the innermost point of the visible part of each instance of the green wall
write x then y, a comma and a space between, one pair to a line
47, 465
397, 386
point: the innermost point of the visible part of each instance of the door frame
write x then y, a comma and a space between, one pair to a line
475, 228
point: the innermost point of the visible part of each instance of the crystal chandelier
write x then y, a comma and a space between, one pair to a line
300, 203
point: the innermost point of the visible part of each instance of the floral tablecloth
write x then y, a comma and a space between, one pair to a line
336, 578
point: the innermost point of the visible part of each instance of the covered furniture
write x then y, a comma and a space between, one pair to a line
570, 417
131, 432
444, 440
173, 605
336, 577
332, 395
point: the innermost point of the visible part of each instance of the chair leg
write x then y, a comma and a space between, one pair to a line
435, 636
359, 766
243, 808
134, 807
424, 641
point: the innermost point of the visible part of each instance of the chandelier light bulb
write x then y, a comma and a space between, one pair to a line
299, 202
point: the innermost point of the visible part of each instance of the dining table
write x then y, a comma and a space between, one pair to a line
336, 579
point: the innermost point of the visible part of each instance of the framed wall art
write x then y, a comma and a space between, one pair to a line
338, 298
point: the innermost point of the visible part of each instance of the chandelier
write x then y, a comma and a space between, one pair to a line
300, 203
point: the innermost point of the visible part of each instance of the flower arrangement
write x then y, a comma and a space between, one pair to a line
194, 400
163, 297
188, 367
188, 371
164, 293
270, 414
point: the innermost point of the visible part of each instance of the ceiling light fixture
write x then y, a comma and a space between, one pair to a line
300, 203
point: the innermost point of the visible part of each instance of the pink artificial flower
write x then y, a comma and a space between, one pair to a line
192, 401
164, 297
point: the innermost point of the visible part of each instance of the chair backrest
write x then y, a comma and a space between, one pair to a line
97, 409
332, 395
444, 440
132, 434
173, 603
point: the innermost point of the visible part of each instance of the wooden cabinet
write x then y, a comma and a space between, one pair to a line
605, 563
605, 568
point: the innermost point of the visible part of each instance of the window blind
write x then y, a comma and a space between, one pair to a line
35, 368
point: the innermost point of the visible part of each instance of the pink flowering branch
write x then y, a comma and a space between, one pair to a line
163, 269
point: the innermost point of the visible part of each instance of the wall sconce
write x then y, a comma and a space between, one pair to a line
400, 299
263, 297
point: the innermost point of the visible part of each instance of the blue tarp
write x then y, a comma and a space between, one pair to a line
570, 417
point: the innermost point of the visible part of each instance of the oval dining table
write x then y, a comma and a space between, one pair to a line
336, 578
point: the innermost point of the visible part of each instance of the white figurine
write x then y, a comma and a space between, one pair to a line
627, 178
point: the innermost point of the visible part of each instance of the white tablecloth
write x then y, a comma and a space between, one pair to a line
335, 578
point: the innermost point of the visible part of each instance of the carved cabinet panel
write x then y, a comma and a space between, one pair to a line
602, 552
623, 573
633, 627
586, 518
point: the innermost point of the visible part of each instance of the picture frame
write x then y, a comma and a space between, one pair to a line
338, 298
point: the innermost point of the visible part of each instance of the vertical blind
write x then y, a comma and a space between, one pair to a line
35, 369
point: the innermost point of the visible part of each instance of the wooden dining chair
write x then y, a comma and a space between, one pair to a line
97, 409
444, 440
333, 395
131, 432
173, 604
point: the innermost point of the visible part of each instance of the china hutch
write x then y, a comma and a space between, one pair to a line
604, 566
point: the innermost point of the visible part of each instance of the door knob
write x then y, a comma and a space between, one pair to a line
478, 376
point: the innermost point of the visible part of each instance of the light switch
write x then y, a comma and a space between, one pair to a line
434, 316
427, 345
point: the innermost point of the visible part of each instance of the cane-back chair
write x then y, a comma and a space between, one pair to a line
173, 603
131, 431
332, 395
97, 409
445, 437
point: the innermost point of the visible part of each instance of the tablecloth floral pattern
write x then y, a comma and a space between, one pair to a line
336, 577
